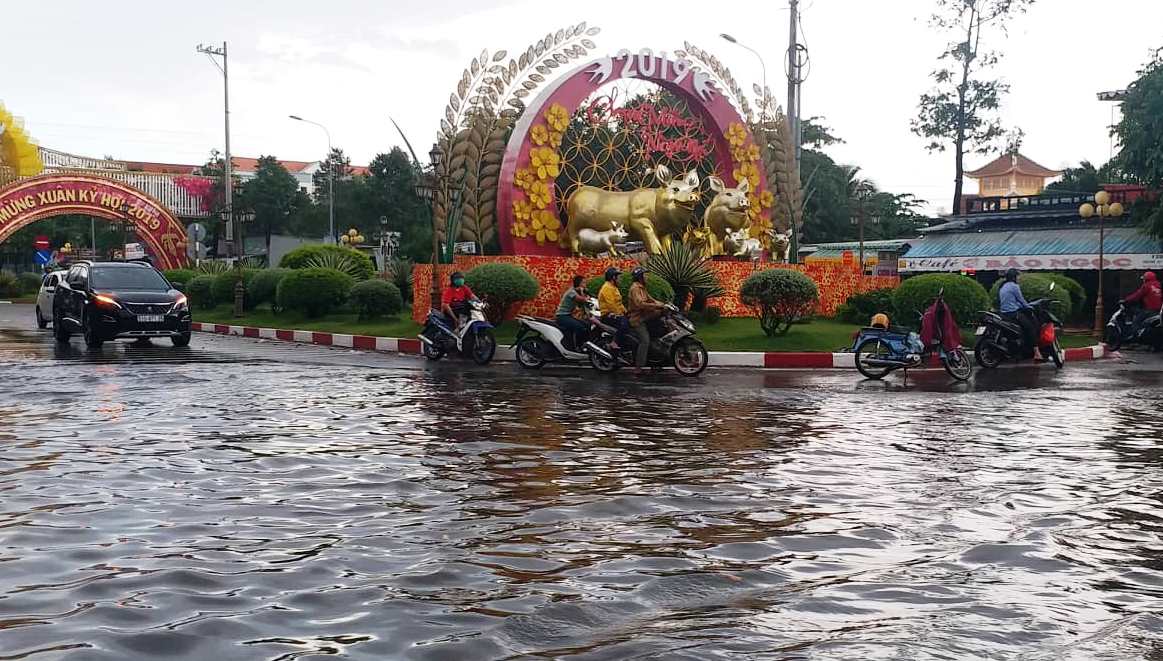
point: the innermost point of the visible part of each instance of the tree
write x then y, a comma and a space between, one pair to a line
816, 134
273, 195
961, 108
392, 195
1140, 133
1082, 179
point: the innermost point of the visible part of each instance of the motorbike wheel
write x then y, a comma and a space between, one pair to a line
987, 356
957, 364
873, 348
432, 351
1055, 351
603, 364
1113, 339
690, 357
529, 353
484, 346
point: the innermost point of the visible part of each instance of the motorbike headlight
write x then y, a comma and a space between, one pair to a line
686, 323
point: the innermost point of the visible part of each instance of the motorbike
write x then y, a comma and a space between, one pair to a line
540, 341
880, 351
1000, 339
474, 339
672, 344
1121, 329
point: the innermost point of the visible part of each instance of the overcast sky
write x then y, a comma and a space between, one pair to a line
122, 78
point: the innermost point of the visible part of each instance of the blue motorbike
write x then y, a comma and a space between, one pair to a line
474, 339
882, 350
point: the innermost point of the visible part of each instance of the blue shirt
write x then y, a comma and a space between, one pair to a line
1011, 299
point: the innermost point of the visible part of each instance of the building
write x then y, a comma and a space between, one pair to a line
244, 168
880, 257
1011, 174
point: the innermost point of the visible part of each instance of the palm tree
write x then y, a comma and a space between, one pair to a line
859, 192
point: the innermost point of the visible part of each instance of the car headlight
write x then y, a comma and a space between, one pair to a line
181, 305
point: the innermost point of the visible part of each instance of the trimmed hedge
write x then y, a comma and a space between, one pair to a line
29, 282
501, 285
179, 277
9, 285
964, 296
376, 298
200, 291
314, 292
262, 287
860, 307
362, 266
658, 288
1037, 285
223, 288
781, 297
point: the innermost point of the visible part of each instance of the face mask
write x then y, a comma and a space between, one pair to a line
458, 282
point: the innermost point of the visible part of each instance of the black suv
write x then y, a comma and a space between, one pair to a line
112, 300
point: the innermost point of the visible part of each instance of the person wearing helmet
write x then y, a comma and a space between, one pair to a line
1149, 295
643, 308
455, 298
1013, 306
611, 308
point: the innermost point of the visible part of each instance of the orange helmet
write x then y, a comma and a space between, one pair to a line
880, 320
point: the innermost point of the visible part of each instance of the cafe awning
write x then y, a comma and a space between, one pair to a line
1125, 248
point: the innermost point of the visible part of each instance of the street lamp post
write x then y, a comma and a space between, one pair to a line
762, 66
330, 179
1104, 208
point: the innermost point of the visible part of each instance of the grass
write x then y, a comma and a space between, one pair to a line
729, 334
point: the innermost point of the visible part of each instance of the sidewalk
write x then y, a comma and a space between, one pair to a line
754, 359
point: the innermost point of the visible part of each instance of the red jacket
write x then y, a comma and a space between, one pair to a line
946, 327
1151, 295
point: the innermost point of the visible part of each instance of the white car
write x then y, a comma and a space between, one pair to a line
44, 297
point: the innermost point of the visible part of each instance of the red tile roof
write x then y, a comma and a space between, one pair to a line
1007, 163
240, 164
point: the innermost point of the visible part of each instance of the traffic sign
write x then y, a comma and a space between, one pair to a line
42, 257
41, 243
196, 232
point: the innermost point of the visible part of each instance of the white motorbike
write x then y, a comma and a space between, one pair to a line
540, 341
474, 339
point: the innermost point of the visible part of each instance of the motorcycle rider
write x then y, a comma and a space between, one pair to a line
575, 297
643, 309
612, 309
454, 300
1013, 306
1150, 295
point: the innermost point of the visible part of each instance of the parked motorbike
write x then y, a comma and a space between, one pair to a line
1121, 329
1001, 339
880, 351
540, 341
474, 339
672, 344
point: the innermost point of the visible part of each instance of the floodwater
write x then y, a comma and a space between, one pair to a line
191, 504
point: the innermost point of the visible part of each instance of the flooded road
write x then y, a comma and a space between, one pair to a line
245, 500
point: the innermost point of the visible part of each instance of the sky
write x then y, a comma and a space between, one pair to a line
122, 78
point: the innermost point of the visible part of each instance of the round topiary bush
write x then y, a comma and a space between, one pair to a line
29, 282
261, 288
317, 255
314, 291
964, 296
9, 285
1037, 285
223, 288
658, 288
860, 307
200, 291
179, 277
501, 285
780, 296
376, 298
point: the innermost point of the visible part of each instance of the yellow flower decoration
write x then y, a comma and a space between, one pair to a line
539, 194
751, 153
736, 134
766, 199
17, 150
522, 210
557, 117
747, 171
519, 230
555, 139
545, 225
523, 178
539, 134
544, 161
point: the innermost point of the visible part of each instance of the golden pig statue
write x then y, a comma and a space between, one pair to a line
652, 215
726, 213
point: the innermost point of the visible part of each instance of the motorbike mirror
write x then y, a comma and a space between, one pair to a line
1052, 286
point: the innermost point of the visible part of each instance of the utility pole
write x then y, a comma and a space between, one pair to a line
233, 233
793, 81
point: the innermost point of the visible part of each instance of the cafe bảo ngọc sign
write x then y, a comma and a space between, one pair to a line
1124, 262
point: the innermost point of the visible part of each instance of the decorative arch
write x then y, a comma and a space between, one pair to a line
735, 154
36, 198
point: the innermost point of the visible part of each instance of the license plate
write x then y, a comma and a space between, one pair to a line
150, 318
980, 330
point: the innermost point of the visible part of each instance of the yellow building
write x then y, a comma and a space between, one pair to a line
1011, 174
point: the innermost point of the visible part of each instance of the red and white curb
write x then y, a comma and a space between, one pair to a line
762, 359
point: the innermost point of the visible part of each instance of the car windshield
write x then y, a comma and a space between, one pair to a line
127, 279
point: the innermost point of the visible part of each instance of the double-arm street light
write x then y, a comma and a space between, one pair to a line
330, 179
1104, 208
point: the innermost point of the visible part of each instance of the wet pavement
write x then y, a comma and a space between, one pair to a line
241, 499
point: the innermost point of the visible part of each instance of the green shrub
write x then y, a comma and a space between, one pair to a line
860, 307
9, 285
1037, 285
262, 287
29, 282
200, 291
376, 298
214, 267
687, 272
964, 296
1076, 290
223, 288
179, 277
314, 292
501, 285
400, 272
355, 263
712, 315
658, 288
780, 296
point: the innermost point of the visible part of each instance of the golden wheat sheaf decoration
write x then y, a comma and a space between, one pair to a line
478, 119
